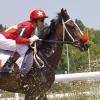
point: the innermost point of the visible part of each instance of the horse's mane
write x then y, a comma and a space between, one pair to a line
57, 19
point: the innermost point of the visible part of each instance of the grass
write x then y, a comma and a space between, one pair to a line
79, 89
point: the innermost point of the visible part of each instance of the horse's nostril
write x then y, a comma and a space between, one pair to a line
87, 45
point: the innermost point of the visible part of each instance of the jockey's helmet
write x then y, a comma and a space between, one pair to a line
37, 14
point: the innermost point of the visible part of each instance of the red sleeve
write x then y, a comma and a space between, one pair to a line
20, 40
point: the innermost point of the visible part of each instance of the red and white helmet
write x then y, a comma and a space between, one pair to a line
36, 14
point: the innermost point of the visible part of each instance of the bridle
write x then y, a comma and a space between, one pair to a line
65, 30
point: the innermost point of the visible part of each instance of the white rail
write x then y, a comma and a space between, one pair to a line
77, 76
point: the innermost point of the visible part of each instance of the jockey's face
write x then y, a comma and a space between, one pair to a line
40, 23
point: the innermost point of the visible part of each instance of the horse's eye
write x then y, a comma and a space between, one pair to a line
73, 27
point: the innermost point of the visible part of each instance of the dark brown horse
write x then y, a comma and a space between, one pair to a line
38, 81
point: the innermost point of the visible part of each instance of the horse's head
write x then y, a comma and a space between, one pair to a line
67, 30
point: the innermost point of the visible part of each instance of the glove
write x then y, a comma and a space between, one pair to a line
33, 39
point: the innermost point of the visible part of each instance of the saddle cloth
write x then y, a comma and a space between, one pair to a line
24, 62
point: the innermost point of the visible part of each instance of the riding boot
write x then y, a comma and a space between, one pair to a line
12, 59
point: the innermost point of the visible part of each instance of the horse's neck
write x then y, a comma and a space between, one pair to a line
54, 59
52, 53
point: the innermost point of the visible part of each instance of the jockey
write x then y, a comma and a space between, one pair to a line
17, 38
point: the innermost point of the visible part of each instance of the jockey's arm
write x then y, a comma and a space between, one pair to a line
40, 34
21, 39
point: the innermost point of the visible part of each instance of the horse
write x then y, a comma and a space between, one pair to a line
36, 83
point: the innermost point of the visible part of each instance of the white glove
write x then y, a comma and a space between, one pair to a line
33, 39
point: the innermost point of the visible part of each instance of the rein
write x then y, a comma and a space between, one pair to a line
57, 42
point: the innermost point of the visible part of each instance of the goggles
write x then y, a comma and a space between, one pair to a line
41, 20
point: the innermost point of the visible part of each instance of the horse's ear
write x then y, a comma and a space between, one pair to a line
65, 10
64, 13
62, 9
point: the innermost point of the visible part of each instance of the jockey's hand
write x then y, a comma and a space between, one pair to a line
33, 39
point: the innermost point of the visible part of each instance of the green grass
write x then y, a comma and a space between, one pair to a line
79, 89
